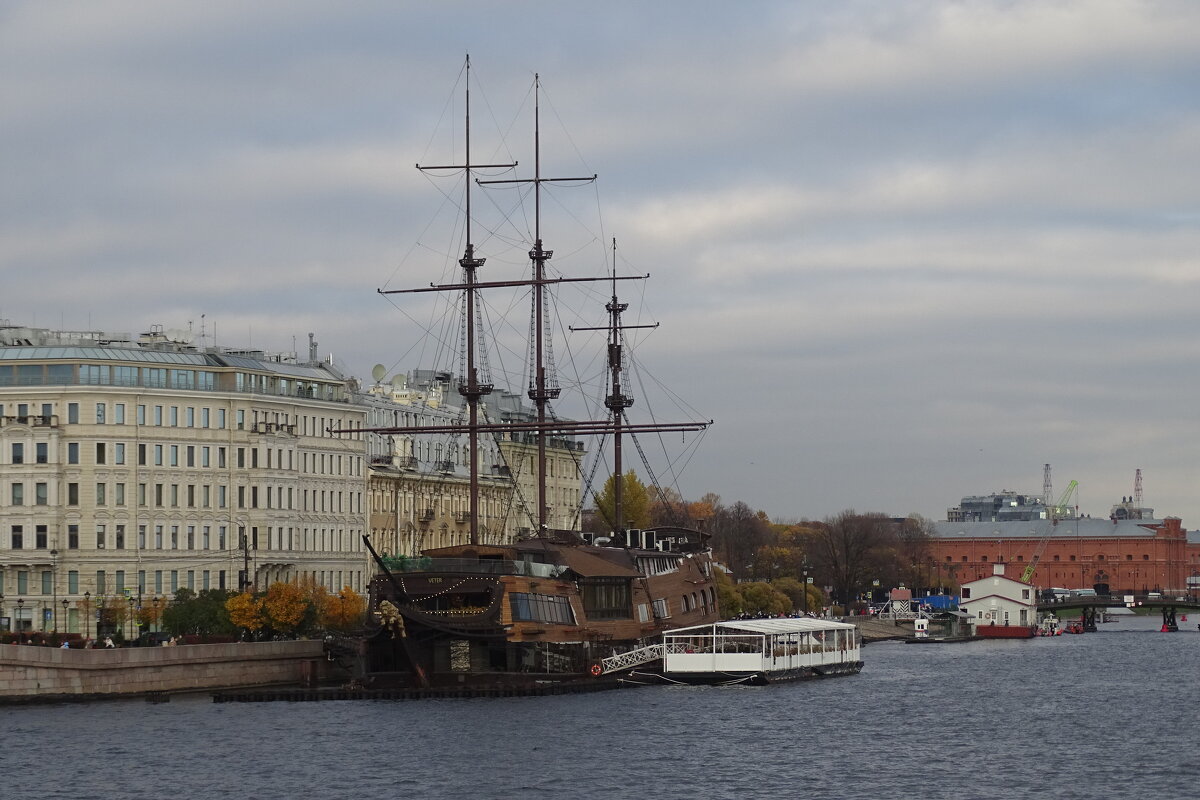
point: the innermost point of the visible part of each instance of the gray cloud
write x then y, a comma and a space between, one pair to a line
901, 252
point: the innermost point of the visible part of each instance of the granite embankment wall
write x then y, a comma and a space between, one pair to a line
30, 673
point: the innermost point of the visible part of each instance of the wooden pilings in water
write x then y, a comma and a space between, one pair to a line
437, 692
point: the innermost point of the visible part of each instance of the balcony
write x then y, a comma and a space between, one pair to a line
425, 515
32, 420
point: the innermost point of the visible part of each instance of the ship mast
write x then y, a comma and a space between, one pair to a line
616, 401
472, 384
543, 381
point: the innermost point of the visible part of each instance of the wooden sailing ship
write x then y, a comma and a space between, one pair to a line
548, 607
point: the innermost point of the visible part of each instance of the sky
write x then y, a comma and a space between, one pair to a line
899, 252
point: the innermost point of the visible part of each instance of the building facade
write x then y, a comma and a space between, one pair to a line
134, 467
419, 485
998, 601
1129, 552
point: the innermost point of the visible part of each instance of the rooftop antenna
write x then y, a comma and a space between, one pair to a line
1137, 488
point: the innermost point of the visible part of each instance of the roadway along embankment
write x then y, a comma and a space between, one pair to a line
874, 629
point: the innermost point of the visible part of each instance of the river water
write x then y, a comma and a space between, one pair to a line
1101, 715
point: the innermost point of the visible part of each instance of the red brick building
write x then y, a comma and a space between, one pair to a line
1128, 556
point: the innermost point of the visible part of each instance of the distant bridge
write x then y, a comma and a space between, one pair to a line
1089, 606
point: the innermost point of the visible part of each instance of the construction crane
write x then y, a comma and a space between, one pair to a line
1060, 510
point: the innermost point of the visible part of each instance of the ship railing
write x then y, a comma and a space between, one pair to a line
473, 566
632, 658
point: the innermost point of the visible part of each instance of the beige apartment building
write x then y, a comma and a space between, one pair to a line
131, 468
419, 486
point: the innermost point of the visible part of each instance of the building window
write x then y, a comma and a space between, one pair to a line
120, 538
101, 584
541, 608
18, 453
100, 537
99, 494
99, 413
606, 598
72, 537
41, 493
73, 413
119, 453
73, 582
966, 593
42, 453
18, 494
72, 452
99, 452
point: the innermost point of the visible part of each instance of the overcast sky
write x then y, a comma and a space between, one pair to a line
901, 252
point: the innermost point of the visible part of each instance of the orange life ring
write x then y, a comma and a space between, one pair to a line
596, 670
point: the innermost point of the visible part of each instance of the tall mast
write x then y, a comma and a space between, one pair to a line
472, 385
617, 401
543, 385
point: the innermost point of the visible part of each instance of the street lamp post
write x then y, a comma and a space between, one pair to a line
65, 603
806, 587
131, 618
87, 612
54, 586
20, 611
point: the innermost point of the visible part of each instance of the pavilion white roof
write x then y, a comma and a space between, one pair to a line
771, 625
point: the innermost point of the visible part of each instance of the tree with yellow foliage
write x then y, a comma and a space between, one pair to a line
344, 610
284, 606
245, 611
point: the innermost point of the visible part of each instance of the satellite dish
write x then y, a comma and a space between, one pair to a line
378, 371
398, 381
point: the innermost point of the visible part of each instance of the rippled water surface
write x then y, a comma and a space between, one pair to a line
1110, 714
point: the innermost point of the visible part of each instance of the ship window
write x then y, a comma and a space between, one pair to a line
541, 608
606, 598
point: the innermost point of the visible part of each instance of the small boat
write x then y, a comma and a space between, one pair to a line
753, 651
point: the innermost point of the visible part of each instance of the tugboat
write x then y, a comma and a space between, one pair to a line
546, 609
